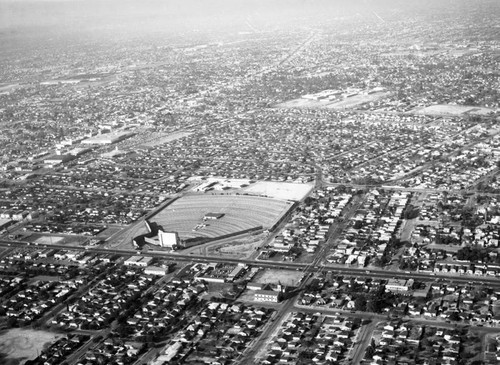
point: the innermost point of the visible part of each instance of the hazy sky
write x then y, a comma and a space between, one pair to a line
146, 16
72, 14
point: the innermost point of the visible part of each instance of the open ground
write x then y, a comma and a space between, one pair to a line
48, 240
285, 277
19, 345
161, 139
241, 247
271, 189
453, 110
52, 239
6, 88
346, 103
279, 190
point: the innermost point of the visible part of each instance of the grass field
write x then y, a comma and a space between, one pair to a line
185, 215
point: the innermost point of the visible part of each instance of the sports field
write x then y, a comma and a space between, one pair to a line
240, 212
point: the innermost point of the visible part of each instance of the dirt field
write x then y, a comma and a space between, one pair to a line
356, 100
19, 345
286, 277
418, 53
161, 139
108, 232
303, 103
6, 88
103, 81
47, 240
185, 215
452, 110
280, 190
123, 238
235, 249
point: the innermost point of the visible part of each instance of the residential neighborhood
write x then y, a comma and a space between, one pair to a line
249, 182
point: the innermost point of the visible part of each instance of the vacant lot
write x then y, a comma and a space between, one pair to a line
49, 240
346, 103
357, 100
19, 345
235, 249
279, 190
445, 109
157, 140
108, 232
240, 213
285, 277
5, 88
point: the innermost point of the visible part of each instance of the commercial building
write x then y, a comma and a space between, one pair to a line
267, 296
58, 159
397, 285
168, 239
142, 261
156, 270
107, 138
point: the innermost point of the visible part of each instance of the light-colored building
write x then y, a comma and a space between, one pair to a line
57, 159
155, 270
141, 261
267, 296
107, 138
398, 285
168, 239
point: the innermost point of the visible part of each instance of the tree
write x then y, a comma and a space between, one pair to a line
43, 294
360, 303
411, 212
12, 322
374, 305
370, 351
